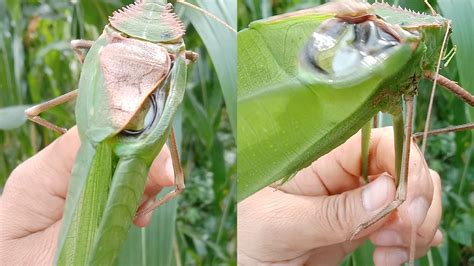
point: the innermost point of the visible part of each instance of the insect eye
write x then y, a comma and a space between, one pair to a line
337, 49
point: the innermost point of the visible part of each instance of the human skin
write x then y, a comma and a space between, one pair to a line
310, 219
32, 204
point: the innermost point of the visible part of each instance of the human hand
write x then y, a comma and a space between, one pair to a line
309, 219
32, 204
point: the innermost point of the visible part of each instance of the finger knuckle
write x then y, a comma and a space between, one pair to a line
338, 215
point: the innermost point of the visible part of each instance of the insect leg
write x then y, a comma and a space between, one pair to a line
375, 121
191, 57
420, 135
78, 46
366, 130
178, 171
403, 180
34, 112
178, 175
460, 92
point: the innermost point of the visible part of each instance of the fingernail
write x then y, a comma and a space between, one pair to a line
418, 210
388, 238
397, 257
437, 239
375, 194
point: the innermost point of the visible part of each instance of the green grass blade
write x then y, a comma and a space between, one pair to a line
152, 245
221, 44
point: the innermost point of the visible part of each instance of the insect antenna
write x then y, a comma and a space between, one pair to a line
183, 2
433, 12
452, 86
427, 124
433, 90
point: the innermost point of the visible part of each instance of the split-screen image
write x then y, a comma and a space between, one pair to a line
236, 132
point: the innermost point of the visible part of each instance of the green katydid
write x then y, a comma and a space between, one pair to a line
132, 83
310, 79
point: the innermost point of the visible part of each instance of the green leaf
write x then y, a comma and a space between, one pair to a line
458, 200
462, 232
221, 44
363, 255
13, 117
199, 120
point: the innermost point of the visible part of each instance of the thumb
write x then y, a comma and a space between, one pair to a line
342, 213
276, 220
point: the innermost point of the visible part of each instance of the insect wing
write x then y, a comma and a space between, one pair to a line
285, 120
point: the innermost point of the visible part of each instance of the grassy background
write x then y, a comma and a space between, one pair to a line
37, 64
449, 154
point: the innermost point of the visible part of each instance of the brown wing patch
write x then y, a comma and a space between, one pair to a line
132, 70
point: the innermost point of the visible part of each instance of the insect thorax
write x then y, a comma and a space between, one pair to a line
431, 29
149, 20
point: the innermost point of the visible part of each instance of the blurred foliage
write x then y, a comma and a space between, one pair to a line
450, 154
37, 64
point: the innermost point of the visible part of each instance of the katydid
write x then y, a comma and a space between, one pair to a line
310, 79
132, 83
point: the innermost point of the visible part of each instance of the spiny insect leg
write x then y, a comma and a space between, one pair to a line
178, 175
401, 195
79, 45
459, 91
419, 135
34, 112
